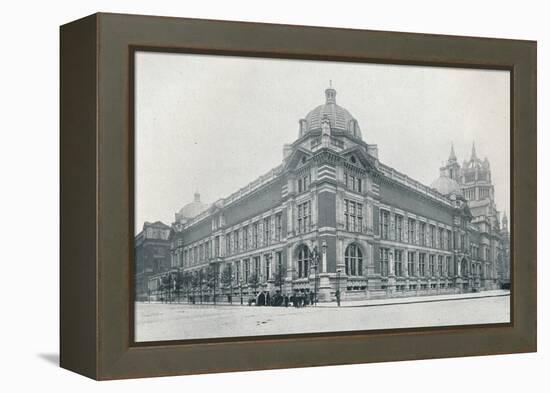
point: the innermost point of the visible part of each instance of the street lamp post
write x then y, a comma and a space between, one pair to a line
315, 272
338, 286
268, 259
324, 251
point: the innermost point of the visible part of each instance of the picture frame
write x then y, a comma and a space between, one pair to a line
96, 196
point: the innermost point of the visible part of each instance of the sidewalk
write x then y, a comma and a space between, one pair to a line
415, 299
363, 302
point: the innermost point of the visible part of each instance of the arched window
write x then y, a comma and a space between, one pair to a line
303, 261
354, 260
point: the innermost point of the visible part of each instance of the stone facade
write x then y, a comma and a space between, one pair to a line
332, 217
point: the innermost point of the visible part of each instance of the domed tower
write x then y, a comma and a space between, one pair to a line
330, 117
191, 210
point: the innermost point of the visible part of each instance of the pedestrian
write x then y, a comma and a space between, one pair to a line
286, 300
338, 297
311, 298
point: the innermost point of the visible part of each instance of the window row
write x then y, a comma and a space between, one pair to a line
353, 216
392, 227
252, 271
428, 265
259, 234
353, 182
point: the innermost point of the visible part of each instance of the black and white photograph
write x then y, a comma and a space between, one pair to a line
284, 196
277, 197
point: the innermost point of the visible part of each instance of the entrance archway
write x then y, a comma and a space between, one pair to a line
261, 299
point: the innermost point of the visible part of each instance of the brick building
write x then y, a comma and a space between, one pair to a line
333, 217
152, 256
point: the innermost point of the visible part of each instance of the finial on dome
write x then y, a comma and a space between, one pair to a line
474, 156
330, 94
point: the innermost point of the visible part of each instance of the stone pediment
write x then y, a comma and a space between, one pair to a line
358, 157
297, 159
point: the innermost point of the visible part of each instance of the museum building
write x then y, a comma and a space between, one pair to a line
332, 217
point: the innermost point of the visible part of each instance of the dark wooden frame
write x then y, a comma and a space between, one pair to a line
97, 194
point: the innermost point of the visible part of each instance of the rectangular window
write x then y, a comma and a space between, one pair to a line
449, 239
398, 228
207, 248
432, 265
236, 241
303, 183
217, 246
279, 226
267, 267
432, 236
245, 238
410, 263
353, 216
255, 235
441, 238
440, 265
304, 217
246, 270
384, 223
411, 229
422, 264
384, 262
422, 233
228, 244
267, 231
279, 262
257, 270
398, 263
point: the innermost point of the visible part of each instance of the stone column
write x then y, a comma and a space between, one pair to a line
391, 271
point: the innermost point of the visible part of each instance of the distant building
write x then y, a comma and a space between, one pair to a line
473, 180
152, 255
332, 217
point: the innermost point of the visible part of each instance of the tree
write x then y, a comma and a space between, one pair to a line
178, 284
212, 279
187, 282
280, 275
196, 282
227, 280
253, 281
165, 282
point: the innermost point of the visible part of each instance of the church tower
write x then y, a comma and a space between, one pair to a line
452, 168
476, 178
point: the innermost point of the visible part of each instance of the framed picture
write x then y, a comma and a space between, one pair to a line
241, 196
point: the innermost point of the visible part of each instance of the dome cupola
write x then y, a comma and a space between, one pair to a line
339, 118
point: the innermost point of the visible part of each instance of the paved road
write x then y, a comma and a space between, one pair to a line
155, 322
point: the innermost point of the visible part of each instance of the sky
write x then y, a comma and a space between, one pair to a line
215, 123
